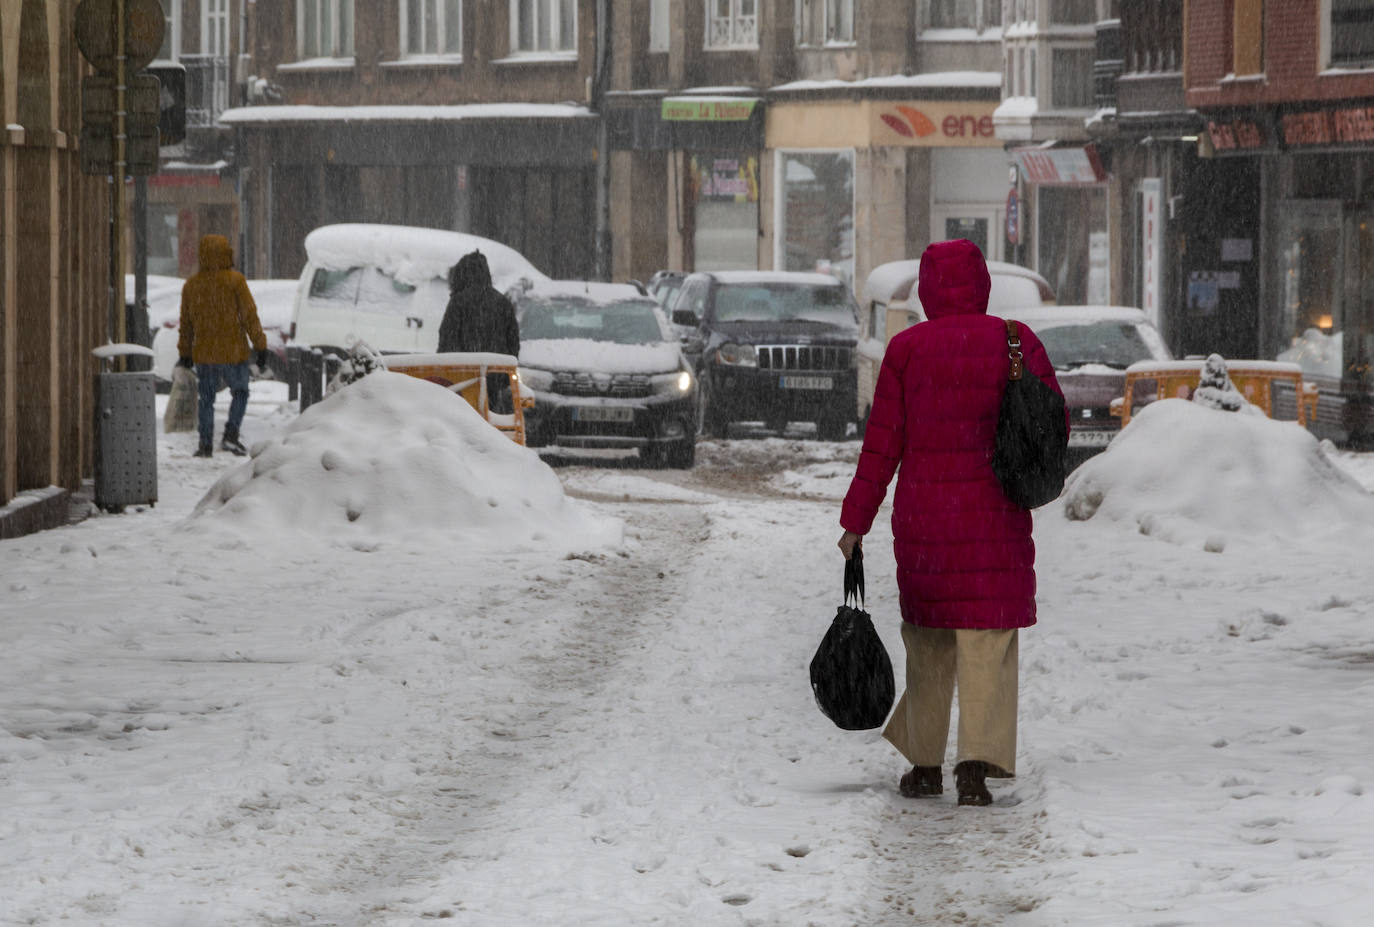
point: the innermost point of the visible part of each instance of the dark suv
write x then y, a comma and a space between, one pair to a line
771, 346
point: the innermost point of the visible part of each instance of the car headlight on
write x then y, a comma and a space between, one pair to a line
739, 355
536, 379
678, 383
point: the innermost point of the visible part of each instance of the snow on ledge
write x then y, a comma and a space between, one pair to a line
259, 115
933, 79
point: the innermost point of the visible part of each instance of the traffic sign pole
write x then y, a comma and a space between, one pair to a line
120, 158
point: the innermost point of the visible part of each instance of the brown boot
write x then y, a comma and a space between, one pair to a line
968, 777
922, 782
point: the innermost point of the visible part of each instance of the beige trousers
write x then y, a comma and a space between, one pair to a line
983, 665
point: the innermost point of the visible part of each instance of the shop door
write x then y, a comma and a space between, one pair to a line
1357, 341
982, 225
1313, 288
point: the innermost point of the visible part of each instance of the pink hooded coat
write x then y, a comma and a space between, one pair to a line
965, 558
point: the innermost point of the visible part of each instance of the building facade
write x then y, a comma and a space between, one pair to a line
54, 301
439, 113
825, 135
1287, 95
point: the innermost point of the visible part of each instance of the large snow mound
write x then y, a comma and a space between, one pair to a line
393, 459
1196, 476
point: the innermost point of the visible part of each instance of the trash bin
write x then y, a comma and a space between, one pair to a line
125, 432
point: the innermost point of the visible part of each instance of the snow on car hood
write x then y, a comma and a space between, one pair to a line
600, 356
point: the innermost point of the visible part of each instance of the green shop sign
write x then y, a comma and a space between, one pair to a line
711, 109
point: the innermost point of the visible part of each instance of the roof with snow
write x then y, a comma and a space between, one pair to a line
264, 115
412, 255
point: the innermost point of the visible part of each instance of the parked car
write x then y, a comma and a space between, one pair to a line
664, 286
771, 346
606, 371
1091, 347
275, 300
889, 305
387, 285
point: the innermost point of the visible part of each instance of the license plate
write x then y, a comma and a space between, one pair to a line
603, 414
792, 382
1090, 438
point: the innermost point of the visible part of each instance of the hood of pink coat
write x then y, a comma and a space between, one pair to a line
954, 279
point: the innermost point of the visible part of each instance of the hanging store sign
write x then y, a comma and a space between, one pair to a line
1151, 246
1239, 135
1060, 166
707, 109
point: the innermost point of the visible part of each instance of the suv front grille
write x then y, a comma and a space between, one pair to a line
620, 385
803, 357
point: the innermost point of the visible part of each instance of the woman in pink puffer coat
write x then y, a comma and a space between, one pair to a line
965, 558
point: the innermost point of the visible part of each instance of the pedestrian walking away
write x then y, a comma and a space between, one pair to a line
219, 325
479, 318
965, 557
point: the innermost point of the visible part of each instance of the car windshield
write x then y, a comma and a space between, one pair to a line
373, 290
783, 302
629, 321
1114, 344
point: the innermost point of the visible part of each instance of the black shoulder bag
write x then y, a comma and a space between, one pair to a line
851, 674
1031, 455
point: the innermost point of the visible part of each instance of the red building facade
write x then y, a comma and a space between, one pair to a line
1288, 92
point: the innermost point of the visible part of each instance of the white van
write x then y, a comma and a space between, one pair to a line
889, 304
387, 285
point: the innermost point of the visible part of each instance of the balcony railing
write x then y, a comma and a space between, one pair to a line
207, 89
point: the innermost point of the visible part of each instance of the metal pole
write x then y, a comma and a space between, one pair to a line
120, 166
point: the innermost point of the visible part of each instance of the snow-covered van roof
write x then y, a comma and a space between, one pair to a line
412, 255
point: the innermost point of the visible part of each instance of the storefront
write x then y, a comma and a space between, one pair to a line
1315, 179
1067, 190
859, 182
685, 182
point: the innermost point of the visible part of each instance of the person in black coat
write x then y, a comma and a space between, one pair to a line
480, 319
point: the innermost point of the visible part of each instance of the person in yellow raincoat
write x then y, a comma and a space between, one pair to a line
219, 322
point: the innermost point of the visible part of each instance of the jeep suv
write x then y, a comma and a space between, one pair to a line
772, 346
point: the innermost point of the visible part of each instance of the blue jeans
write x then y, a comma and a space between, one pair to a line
208, 377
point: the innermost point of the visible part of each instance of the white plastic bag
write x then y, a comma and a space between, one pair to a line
181, 402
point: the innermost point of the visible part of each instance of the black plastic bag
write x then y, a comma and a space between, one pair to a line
851, 673
1031, 455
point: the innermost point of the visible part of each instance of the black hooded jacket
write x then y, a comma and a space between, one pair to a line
478, 318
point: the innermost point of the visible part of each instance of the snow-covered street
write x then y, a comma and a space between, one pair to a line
246, 718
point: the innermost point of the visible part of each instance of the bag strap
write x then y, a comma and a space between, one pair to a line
1014, 350
854, 578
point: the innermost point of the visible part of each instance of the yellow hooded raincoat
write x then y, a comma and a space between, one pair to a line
218, 315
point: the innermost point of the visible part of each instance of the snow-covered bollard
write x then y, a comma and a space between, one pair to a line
1215, 389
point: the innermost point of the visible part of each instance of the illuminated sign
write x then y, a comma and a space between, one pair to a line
707, 109
1343, 126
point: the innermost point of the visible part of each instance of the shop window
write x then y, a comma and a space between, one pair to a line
1071, 253
324, 29
659, 29
1071, 76
732, 24
163, 244
725, 200
431, 27
1312, 271
822, 22
1350, 32
543, 25
171, 36
815, 205
1073, 12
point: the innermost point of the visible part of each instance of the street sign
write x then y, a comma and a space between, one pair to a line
1013, 218
145, 24
142, 100
140, 150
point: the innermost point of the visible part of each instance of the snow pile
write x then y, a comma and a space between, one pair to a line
1196, 476
396, 459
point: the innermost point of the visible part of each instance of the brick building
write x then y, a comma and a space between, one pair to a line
1288, 100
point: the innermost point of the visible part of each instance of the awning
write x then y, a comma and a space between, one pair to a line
1066, 166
